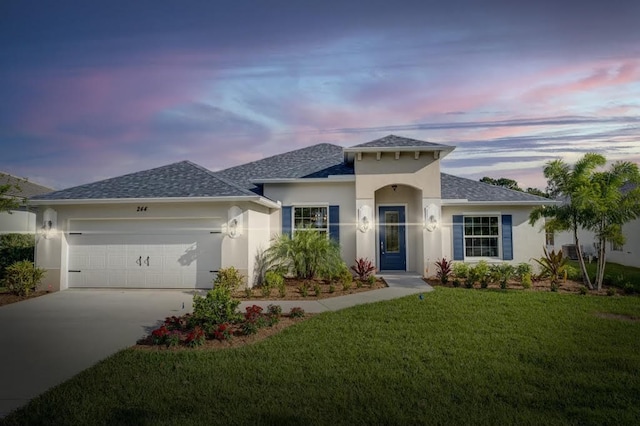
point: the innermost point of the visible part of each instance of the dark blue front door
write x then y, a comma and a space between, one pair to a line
393, 252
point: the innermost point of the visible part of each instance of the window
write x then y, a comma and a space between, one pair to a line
481, 236
549, 238
306, 218
616, 246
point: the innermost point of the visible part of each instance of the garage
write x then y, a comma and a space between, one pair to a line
143, 253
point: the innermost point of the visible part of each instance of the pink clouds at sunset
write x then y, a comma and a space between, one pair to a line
122, 86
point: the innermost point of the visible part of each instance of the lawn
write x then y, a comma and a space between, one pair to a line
457, 357
614, 274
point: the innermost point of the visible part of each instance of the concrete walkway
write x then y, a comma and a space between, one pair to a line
50, 339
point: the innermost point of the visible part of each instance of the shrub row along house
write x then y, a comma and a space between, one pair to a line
175, 226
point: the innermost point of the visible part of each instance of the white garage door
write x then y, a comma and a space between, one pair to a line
144, 253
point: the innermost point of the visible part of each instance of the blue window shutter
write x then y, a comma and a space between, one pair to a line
334, 223
458, 238
507, 237
286, 220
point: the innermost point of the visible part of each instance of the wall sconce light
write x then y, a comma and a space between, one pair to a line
431, 217
394, 187
364, 218
234, 224
49, 218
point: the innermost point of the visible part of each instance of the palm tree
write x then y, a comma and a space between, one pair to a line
610, 205
573, 187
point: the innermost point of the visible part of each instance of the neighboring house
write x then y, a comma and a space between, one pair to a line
175, 226
23, 219
626, 254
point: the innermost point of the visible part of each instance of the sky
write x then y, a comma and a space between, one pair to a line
91, 90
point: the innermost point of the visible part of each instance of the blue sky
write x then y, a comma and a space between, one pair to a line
96, 90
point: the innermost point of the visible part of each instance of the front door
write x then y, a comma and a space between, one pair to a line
393, 252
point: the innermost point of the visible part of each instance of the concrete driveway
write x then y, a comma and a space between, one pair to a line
47, 340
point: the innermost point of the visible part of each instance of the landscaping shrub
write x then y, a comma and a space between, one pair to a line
222, 332
229, 278
611, 291
195, 337
307, 255
215, 308
332, 288
503, 273
317, 290
273, 279
14, 248
526, 281
363, 268
553, 266
372, 280
460, 270
282, 289
583, 290
483, 273
22, 277
304, 289
296, 312
265, 290
443, 270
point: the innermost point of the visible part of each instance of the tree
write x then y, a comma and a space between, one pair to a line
513, 185
592, 199
572, 186
8, 201
609, 205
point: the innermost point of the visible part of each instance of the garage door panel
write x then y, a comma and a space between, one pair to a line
106, 258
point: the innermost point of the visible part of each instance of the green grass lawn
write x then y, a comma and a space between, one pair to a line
614, 274
457, 357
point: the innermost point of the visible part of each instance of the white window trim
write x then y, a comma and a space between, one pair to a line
309, 205
499, 236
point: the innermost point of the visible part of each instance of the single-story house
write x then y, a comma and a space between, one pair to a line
175, 226
23, 219
626, 254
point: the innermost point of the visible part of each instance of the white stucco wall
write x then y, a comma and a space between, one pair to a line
18, 221
629, 255
320, 194
51, 253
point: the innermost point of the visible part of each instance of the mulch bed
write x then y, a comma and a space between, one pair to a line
7, 298
568, 286
146, 344
293, 290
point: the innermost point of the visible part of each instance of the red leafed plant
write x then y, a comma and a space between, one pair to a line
444, 268
252, 313
223, 332
363, 268
159, 335
196, 337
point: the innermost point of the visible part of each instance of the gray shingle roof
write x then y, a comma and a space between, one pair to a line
26, 189
316, 161
457, 188
393, 141
183, 179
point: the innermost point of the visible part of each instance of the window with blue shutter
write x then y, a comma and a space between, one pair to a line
458, 238
507, 237
334, 223
286, 220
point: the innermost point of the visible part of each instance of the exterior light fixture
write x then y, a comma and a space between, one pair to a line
394, 187
431, 217
49, 219
235, 222
364, 218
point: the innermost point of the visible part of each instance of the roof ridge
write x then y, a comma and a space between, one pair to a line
282, 153
220, 178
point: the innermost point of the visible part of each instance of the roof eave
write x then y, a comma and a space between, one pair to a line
329, 179
87, 201
465, 202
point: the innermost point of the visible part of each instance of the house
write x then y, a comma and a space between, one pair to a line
627, 254
175, 226
23, 219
